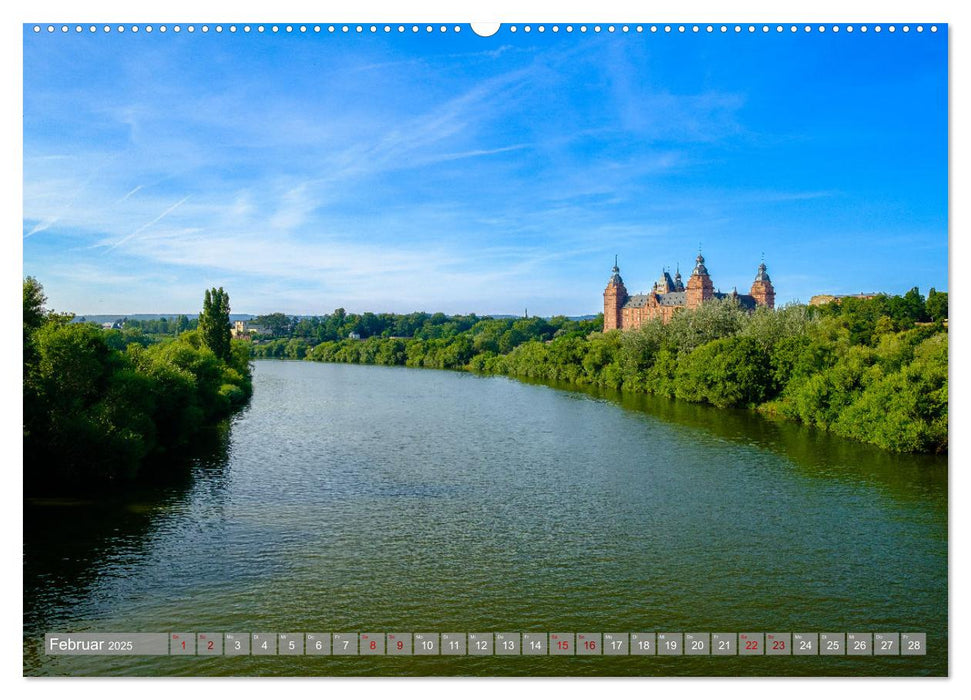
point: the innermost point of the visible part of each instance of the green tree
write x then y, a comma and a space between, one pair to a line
278, 324
214, 322
936, 305
34, 301
711, 321
726, 372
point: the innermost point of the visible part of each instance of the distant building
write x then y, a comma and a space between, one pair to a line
625, 311
821, 299
242, 329
239, 330
354, 335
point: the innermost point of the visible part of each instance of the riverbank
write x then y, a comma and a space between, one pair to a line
100, 414
848, 369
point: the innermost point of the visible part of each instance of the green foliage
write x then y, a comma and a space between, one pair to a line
101, 407
893, 395
121, 339
726, 372
34, 301
904, 410
936, 306
278, 325
869, 369
160, 326
486, 333
214, 322
868, 319
769, 327
713, 320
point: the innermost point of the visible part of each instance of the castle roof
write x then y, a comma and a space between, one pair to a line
668, 299
615, 277
762, 275
746, 301
672, 299
700, 268
636, 300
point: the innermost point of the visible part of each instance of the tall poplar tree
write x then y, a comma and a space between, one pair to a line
214, 322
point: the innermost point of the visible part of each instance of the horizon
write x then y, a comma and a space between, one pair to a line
236, 314
393, 172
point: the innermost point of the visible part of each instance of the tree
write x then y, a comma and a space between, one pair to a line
908, 309
214, 322
278, 324
726, 372
34, 301
936, 305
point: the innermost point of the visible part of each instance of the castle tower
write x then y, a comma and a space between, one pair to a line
762, 288
678, 284
615, 296
664, 283
700, 287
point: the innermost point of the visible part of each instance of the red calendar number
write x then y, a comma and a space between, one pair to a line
752, 644
779, 645
590, 645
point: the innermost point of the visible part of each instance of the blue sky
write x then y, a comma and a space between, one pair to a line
451, 172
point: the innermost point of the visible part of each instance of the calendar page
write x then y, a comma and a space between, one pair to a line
514, 349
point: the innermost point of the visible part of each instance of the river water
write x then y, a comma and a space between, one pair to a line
372, 499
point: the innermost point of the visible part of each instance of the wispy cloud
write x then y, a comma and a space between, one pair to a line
147, 225
66, 198
441, 157
41, 226
130, 193
502, 170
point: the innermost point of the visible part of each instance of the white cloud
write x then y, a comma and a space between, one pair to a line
148, 224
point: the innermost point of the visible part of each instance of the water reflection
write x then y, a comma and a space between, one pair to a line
72, 545
817, 452
354, 497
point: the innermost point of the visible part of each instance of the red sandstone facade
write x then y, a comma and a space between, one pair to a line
625, 311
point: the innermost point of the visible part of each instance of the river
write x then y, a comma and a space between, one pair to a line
357, 498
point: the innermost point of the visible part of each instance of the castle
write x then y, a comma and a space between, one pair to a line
625, 311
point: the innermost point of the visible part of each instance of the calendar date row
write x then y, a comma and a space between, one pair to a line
490, 644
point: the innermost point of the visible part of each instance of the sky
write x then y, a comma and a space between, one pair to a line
450, 172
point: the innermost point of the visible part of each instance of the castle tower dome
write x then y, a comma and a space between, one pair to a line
700, 268
615, 276
615, 296
700, 287
763, 275
762, 288
678, 284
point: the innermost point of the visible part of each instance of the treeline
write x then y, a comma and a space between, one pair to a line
435, 331
103, 408
160, 326
340, 324
883, 382
870, 369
